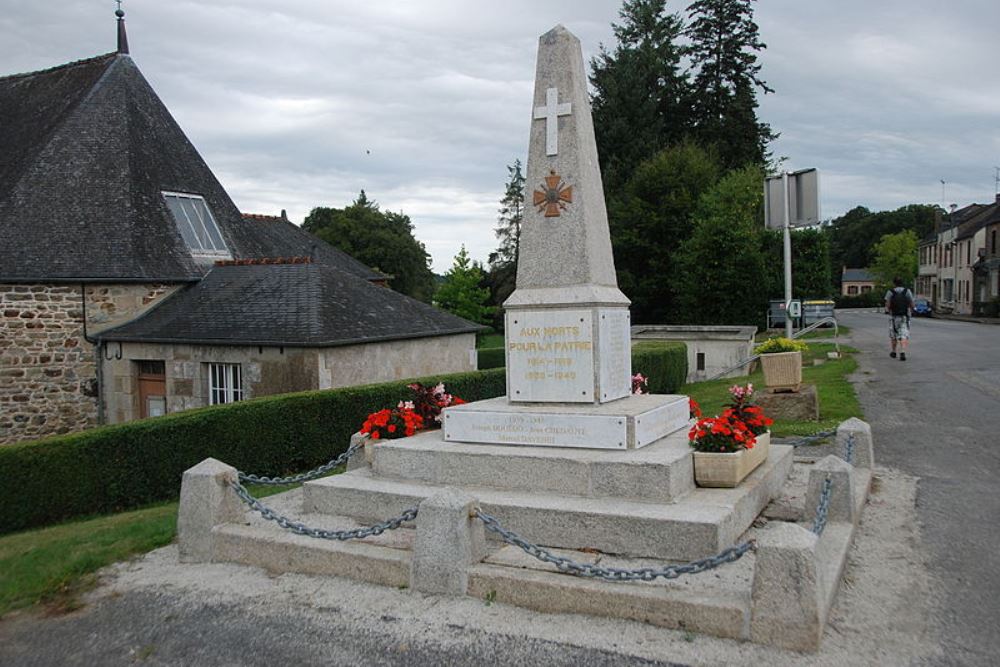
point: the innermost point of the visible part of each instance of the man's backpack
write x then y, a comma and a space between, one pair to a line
899, 302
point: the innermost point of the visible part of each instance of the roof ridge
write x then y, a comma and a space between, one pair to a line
75, 63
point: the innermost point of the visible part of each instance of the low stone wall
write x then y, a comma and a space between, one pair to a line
48, 381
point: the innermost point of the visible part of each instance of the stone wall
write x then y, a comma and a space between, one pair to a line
48, 382
265, 371
352, 365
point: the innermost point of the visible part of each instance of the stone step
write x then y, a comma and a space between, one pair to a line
661, 472
716, 604
700, 524
383, 559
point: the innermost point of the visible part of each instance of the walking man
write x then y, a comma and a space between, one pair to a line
899, 305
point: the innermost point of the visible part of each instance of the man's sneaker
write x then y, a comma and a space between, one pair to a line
902, 356
892, 354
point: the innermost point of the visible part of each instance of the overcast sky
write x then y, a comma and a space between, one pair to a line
424, 103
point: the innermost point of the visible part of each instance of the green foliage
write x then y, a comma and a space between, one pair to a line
812, 274
502, 275
895, 256
853, 235
870, 299
724, 43
664, 363
381, 239
720, 269
491, 357
460, 293
780, 344
134, 464
639, 90
658, 203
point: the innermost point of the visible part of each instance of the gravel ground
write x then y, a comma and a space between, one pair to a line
155, 611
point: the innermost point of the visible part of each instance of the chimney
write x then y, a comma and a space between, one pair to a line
937, 221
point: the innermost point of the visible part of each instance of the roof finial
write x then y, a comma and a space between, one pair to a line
122, 37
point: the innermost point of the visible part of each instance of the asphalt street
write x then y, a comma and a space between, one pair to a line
937, 416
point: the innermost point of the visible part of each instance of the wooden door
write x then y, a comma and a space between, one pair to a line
152, 379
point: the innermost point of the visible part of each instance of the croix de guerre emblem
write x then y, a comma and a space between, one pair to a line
554, 195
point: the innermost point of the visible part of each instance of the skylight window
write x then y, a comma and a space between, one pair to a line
196, 224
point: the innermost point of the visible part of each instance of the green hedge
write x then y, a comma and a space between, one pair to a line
663, 363
129, 465
869, 299
491, 357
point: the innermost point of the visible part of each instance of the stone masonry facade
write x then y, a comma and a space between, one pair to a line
48, 375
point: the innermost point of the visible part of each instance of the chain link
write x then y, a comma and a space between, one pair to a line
849, 449
302, 529
809, 439
304, 476
819, 523
570, 566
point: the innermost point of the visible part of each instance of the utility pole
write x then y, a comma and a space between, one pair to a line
788, 258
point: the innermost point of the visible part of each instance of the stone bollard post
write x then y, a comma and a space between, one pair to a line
787, 607
863, 449
448, 541
207, 501
842, 507
362, 459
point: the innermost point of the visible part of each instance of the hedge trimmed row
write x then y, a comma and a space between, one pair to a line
120, 467
491, 357
664, 364
128, 465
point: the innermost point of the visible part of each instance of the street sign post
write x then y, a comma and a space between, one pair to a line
791, 199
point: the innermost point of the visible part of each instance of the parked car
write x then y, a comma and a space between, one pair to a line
922, 307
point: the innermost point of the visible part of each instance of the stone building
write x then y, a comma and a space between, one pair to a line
856, 281
107, 212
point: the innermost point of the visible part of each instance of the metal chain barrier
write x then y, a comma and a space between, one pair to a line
302, 529
809, 439
305, 476
849, 449
570, 566
819, 523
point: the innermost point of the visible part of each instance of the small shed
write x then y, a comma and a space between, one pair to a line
711, 349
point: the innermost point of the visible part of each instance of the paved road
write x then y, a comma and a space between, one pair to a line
937, 416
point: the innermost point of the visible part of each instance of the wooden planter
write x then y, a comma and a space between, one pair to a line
729, 469
782, 370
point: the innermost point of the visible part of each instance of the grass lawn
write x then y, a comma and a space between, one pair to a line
55, 565
490, 340
837, 400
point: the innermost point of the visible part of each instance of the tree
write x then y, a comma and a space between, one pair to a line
639, 90
812, 274
895, 256
720, 268
460, 293
381, 240
723, 103
651, 220
853, 235
502, 277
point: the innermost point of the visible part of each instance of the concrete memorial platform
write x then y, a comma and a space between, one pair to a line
568, 464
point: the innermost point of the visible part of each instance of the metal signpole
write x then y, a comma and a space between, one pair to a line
788, 258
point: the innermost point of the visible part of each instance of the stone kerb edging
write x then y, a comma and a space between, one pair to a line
797, 572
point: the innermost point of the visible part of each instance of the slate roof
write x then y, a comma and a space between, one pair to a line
275, 236
298, 305
983, 216
856, 276
86, 149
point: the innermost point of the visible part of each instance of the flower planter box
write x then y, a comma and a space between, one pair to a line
729, 469
782, 370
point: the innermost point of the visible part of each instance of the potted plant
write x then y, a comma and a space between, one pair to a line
723, 449
781, 359
741, 403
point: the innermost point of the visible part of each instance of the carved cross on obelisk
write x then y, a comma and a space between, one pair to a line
550, 113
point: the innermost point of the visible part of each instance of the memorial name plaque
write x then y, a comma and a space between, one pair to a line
615, 350
653, 425
544, 430
550, 356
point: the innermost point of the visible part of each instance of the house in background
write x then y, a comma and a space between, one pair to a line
108, 214
962, 244
856, 281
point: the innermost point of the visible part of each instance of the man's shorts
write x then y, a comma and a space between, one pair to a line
899, 327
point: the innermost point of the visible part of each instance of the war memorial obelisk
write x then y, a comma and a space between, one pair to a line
567, 325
